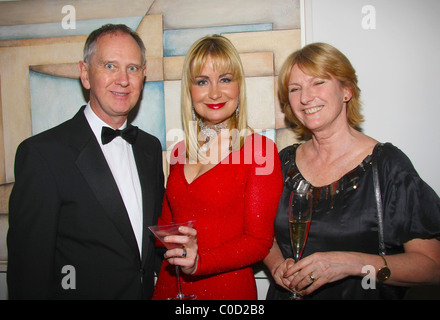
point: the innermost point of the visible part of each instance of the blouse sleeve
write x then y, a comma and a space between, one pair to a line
411, 207
263, 191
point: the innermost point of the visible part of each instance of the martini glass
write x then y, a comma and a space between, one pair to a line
300, 215
173, 230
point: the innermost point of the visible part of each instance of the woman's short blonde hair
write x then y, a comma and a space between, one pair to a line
320, 60
225, 59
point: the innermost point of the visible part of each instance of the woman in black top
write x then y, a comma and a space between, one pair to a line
319, 93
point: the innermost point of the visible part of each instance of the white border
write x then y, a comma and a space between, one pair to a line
306, 22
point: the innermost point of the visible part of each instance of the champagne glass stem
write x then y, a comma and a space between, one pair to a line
295, 295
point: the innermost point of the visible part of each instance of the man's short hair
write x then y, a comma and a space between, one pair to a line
90, 45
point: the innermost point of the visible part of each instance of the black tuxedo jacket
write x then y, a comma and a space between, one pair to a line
70, 235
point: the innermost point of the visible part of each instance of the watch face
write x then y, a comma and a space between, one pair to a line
383, 274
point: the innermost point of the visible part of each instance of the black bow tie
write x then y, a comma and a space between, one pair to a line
129, 134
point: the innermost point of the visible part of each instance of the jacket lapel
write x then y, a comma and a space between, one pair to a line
144, 163
93, 166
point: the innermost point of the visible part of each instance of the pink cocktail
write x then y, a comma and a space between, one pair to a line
162, 231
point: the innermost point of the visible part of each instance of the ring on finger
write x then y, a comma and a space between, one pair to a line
311, 277
184, 253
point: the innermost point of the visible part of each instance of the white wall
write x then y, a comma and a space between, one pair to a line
398, 65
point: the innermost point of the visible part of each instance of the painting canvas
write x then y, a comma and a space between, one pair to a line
41, 42
40, 85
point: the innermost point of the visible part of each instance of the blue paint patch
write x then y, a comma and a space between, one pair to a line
150, 116
53, 100
177, 42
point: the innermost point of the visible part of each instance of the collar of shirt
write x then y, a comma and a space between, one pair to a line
96, 123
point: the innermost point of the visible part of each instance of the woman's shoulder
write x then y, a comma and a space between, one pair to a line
261, 153
389, 155
259, 144
257, 141
394, 164
288, 152
255, 136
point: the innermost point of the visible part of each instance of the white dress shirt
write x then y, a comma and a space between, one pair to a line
120, 158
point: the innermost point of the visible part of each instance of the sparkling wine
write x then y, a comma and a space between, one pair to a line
298, 236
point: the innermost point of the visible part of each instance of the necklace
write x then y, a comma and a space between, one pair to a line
210, 132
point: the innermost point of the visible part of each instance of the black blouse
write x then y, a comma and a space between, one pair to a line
344, 216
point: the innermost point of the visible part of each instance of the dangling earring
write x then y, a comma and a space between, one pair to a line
193, 114
237, 110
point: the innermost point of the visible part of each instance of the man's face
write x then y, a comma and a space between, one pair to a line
115, 77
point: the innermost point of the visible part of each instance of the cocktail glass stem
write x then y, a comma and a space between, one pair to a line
180, 294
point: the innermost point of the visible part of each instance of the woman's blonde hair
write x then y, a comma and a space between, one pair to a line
225, 59
320, 60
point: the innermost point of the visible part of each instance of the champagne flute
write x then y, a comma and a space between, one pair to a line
161, 231
300, 215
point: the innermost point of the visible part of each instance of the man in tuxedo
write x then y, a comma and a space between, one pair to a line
84, 193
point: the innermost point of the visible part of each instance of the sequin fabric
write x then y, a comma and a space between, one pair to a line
234, 206
345, 216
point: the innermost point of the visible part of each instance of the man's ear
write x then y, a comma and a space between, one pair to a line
145, 72
83, 68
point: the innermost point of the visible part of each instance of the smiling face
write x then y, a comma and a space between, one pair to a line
214, 94
115, 77
318, 103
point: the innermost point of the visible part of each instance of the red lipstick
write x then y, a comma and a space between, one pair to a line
216, 106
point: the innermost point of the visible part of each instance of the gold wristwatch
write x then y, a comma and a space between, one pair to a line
384, 273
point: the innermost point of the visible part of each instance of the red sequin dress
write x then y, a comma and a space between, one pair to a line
234, 206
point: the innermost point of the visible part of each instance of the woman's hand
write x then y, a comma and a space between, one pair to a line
312, 272
279, 274
418, 265
187, 256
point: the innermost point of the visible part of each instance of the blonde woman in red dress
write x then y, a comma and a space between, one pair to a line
225, 177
